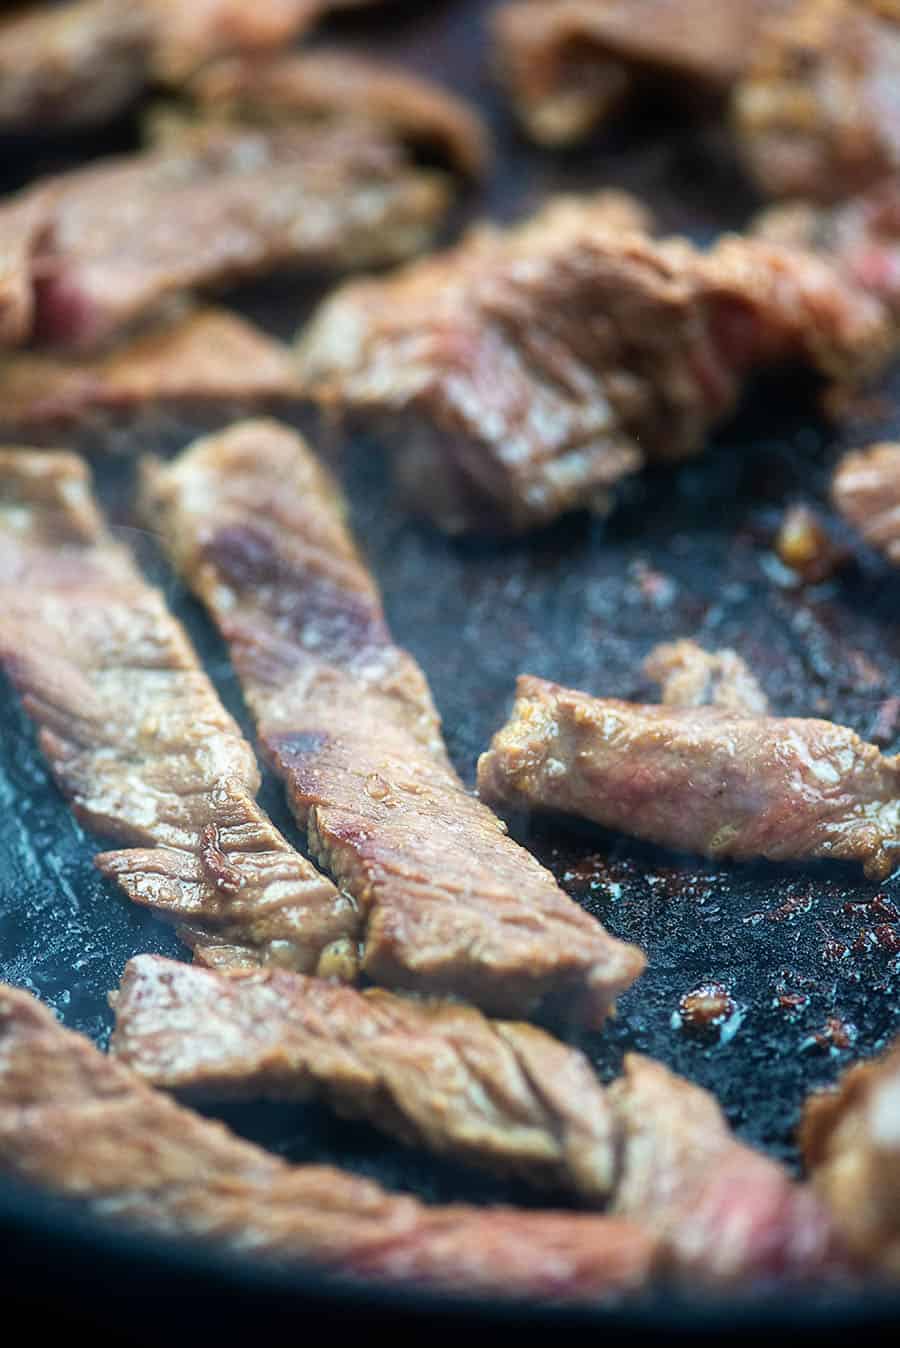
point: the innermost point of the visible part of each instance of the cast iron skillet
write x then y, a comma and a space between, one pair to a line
807, 953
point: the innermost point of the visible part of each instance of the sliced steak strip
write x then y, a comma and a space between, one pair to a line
570, 64
817, 113
689, 676
204, 356
83, 1126
524, 372
138, 740
450, 903
866, 490
497, 1093
698, 779
94, 249
851, 1142
326, 84
492, 1092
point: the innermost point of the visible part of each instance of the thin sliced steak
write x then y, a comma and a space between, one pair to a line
204, 356
851, 1143
492, 1092
324, 84
817, 113
524, 372
866, 490
699, 779
103, 244
498, 1093
450, 903
570, 64
689, 676
138, 740
81, 1125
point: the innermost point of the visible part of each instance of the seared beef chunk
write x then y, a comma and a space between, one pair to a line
71, 65
83, 1126
450, 903
323, 85
851, 1142
138, 740
689, 676
818, 111
89, 251
524, 372
207, 355
497, 1093
866, 490
571, 63
719, 783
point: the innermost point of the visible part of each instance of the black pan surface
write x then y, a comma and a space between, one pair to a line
810, 955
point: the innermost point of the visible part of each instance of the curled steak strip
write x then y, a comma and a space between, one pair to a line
866, 490
322, 85
208, 355
497, 1093
698, 779
569, 64
138, 740
689, 676
87, 252
493, 1092
450, 903
818, 111
524, 372
851, 1142
80, 1124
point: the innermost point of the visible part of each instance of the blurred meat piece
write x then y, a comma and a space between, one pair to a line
866, 490
138, 740
804, 545
94, 249
451, 905
205, 356
323, 85
818, 112
569, 64
718, 783
851, 1143
524, 372
498, 1093
82, 1126
689, 676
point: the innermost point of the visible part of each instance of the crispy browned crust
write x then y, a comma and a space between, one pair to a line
137, 738
497, 1093
698, 779
866, 490
451, 904
816, 113
524, 372
83, 1126
851, 1142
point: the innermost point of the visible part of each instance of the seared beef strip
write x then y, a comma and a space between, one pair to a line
450, 903
818, 112
524, 372
689, 676
138, 740
91, 250
866, 490
206, 355
81, 1125
569, 64
325, 84
699, 779
495, 1093
851, 1142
